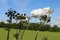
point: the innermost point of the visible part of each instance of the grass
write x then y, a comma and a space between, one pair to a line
29, 35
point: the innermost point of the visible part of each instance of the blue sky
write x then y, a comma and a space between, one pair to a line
26, 6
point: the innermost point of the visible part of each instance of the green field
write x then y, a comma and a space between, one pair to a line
30, 35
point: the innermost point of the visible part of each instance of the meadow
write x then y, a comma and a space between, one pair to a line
29, 35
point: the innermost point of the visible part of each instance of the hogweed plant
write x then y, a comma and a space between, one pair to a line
20, 17
45, 38
17, 31
10, 13
36, 36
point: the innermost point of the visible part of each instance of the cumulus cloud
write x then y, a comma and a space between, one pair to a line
58, 18
40, 12
55, 21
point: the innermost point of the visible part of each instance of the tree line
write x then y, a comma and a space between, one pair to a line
31, 26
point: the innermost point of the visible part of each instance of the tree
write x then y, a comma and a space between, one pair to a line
2, 24
44, 27
55, 28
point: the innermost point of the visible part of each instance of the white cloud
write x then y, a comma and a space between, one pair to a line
55, 21
58, 18
39, 12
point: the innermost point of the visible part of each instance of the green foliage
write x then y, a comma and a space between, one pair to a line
55, 28
34, 26
31, 26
